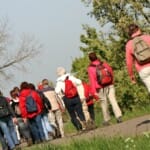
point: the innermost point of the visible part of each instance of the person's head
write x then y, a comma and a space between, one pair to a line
24, 85
60, 71
45, 82
92, 56
39, 86
132, 28
31, 86
16, 90
13, 94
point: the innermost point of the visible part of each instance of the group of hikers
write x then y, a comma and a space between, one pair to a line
35, 114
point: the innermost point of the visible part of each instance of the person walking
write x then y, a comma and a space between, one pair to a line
73, 103
104, 91
31, 107
22, 128
47, 128
55, 114
7, 121
143, 69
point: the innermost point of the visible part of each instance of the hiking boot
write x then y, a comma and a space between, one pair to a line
17, 147
84, 125
91, 125
29, 142
106, 123
119, 120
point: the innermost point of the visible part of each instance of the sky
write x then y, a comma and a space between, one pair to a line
57, 24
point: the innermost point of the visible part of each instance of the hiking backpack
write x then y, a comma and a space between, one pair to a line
141, 50
103, 75
31, 105
70, 88
4, 110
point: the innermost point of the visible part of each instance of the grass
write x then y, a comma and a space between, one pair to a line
117, 143
99, 143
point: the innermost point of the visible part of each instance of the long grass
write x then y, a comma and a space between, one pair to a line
117, 143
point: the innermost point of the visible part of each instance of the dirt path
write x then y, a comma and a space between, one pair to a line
125, 129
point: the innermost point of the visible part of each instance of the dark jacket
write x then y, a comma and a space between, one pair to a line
46, 103
5, 108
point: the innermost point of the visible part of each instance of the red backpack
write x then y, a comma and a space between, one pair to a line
70, 89
103, 75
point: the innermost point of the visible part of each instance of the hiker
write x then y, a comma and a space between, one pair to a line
55, 114
143, 69
88, 107
105, 91
31, 107
21, 127
7, 121
72, 103
90, 99
48, 131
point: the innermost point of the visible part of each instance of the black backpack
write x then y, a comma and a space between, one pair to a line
4, 108
31, 105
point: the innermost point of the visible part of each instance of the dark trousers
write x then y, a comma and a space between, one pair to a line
24, 128
91, 111
75, 111
36, 128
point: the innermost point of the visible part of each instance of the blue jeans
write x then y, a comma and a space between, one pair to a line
3, 141
8, 129
36, 128
46, 126
24, 128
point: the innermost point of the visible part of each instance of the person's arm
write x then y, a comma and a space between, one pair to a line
92, 82
129, 62
14, 119
46, 102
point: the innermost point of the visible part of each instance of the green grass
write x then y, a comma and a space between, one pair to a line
118, 143
99, 143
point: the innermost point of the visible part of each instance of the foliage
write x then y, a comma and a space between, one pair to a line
113, 17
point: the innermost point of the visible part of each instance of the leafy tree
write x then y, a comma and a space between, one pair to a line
115, 16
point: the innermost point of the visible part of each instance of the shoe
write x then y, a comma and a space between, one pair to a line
29, 142
106, 123
37, 142
17, 147
119, 120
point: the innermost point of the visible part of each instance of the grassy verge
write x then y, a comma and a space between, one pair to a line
118, 143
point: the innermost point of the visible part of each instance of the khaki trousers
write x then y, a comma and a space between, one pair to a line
56, 116
85, 111
108, 94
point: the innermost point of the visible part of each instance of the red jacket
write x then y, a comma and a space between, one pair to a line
92, 76
22, 104
87, 94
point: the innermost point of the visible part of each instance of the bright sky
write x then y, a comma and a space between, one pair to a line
57, 24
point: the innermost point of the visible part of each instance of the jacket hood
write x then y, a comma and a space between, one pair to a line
136, 33
25, 92
63, 77
96, 62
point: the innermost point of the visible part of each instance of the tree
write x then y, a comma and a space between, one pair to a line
115, 16
11, 59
